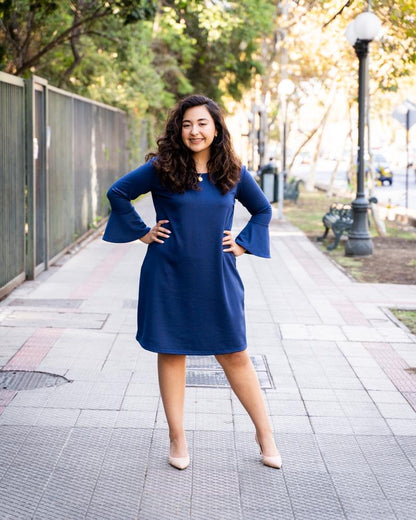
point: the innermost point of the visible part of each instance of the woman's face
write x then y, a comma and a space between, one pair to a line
198, 129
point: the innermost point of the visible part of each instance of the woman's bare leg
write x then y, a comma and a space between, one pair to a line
171, 369
243, 380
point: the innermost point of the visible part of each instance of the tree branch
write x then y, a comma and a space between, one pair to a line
65, 35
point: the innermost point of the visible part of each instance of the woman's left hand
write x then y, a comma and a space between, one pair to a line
231, 245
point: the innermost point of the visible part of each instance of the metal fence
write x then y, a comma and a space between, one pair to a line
59, 154
12, 187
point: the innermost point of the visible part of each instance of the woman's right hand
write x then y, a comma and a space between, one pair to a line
156, 232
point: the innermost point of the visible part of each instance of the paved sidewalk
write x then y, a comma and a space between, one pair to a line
342, 403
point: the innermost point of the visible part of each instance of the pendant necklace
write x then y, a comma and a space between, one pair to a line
200, 178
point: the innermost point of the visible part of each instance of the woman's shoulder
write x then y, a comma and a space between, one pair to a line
245, 174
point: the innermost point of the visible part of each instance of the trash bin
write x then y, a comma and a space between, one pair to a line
269, 182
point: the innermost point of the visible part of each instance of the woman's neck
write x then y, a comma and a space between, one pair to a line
201, 161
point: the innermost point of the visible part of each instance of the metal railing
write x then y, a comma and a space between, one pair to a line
59, 154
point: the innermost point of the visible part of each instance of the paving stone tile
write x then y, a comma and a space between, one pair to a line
97, 419
135, 419
324, 409
318, 394
140, 403
57, 417
286, 407
340, 425
210, 421
396, 411
313, 495
387, 397
399, 426
360, 409
364, 509
369, 426
295, 424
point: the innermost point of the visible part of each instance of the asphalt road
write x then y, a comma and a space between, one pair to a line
396, 195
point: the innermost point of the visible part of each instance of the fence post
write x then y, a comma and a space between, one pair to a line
30, 182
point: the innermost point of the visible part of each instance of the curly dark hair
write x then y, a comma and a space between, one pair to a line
174, 162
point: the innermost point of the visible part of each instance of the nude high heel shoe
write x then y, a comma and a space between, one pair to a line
179, 462
273, 461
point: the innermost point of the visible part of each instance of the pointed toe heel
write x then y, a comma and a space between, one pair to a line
179, 462
273, 461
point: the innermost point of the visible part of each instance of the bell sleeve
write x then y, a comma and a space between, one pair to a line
124, 223
255, 236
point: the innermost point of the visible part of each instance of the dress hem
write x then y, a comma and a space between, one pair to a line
181, 352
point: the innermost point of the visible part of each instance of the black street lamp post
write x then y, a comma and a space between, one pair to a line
360, 33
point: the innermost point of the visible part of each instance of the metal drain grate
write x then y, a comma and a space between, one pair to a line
205, 371
25, 380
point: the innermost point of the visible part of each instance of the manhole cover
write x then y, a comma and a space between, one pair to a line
206, 371
25, 380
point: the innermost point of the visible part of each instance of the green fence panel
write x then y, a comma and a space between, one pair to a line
12, 182
65, 159
60, 172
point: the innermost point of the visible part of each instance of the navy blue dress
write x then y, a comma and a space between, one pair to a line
191, 298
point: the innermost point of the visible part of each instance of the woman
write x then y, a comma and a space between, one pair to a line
190, 295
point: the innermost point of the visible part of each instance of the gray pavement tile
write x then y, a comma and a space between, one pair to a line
404, 509
331, 425
300, 452
102, 402
56, 417
342, 454
313, 496
135, 419
408, 445
383, 452
97, 419
146, 389
369, 426
286, 407
401, 426
357, 486
140, 403
345, 383
360, 409
387, 397
243, 423
20, 416
283, 393
352, 396
210, 421
214, 406
377, 383
399, 487
121, 479
324, 409
318, 394
294, 424
364, 509
396, 411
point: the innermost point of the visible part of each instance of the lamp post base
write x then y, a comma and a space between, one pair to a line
358, 247
359, 241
